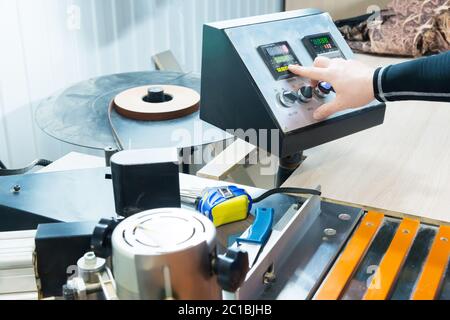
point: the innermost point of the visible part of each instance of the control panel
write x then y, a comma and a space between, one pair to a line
245, 67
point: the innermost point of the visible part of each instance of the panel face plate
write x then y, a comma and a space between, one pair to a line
247, 39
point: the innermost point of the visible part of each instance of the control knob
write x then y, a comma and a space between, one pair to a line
288, 98
323, 89
305, 94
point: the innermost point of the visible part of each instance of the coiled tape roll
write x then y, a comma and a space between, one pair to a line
135, 103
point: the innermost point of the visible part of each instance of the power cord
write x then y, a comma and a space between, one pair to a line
269, 193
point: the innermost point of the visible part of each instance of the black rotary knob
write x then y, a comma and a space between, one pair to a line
155, 95
231, 269
101, 237
305, 94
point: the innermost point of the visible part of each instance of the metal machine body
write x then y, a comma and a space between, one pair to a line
246, 84
309, 241
85, 195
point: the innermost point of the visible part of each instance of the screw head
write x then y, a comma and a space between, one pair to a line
344, 217
16, 188
330, 232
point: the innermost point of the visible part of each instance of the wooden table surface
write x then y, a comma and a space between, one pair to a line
402, 166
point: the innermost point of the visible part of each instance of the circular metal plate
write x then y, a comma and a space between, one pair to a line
163, 231
78, 115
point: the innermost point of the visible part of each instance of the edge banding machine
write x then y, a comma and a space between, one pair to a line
285, 247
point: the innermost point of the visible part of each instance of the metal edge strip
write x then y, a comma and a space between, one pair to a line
350, 258
386, 275
435, 267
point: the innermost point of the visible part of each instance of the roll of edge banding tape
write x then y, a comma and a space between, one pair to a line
180, 102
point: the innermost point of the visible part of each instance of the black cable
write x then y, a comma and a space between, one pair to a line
287, 190
113, 129
13, 172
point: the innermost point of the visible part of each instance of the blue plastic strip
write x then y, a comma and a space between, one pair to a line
261, 229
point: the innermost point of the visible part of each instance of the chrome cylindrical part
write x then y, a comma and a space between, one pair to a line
165, 254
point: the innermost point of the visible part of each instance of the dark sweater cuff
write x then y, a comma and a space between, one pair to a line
377, 84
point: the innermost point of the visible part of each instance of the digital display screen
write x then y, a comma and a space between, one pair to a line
321, 44
278, 56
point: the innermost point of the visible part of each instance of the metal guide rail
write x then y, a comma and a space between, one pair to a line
390, 258
17, 272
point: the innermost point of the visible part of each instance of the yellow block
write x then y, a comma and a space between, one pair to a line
231, 210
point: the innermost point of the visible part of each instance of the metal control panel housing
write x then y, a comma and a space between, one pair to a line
246, 84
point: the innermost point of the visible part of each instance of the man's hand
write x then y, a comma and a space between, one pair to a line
351, 79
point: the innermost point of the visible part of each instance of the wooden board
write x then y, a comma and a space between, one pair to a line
402, 166
227, 160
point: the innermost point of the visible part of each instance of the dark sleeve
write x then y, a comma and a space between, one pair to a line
425, 78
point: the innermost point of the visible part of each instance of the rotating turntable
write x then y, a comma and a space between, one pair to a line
79, 114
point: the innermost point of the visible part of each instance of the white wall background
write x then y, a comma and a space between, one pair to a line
47, 45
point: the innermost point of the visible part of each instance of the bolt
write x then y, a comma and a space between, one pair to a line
16, 188
345, 217
90, 258
269, 277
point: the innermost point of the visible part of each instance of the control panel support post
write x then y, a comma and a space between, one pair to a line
287, 167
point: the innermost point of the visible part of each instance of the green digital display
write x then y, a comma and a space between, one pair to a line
321, 44
321, 41
283, 59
